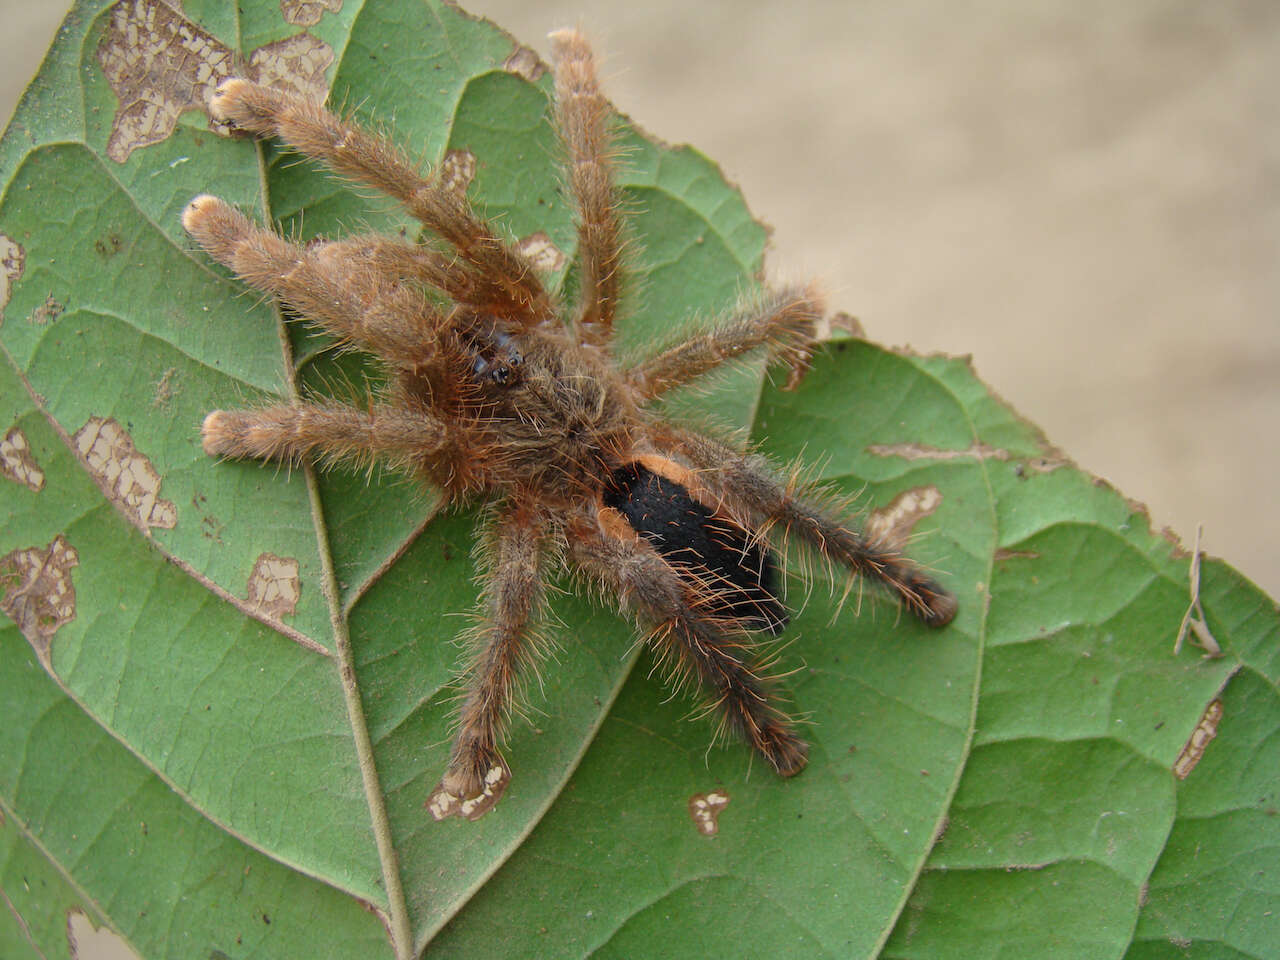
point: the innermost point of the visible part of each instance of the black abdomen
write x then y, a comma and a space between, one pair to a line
740, 575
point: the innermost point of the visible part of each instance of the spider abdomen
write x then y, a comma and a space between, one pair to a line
733, 574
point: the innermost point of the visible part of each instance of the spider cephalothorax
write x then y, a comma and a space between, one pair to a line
509, 397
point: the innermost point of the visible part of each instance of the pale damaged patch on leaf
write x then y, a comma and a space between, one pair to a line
457, 170
274, 586
17, 462
307, 13
160, 65
295, 64
166, 387
892, 525
38, 594
1194, 749
525, 62
125, 475
704, 810
46, 312
13, 259
88, 942
443, 804
919, 451
538, 249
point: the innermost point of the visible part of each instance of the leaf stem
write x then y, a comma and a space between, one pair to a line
398, 923
401, 932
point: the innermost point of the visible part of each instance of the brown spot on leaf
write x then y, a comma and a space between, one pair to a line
295, 64
891, 525
125, 475
108, 246
1194, 748
307, 13
46, 312
159, 64
88, 942
523, 61
1006, 553
457, 170
442, 804
538, 249
704, 810
38, 594
919, 451
12, 261
17, 463
274, 586
1045, 464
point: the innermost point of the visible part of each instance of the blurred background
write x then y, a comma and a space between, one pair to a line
1083, 195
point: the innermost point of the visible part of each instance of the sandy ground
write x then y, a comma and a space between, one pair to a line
1081, 194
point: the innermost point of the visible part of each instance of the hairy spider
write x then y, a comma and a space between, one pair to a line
507, 395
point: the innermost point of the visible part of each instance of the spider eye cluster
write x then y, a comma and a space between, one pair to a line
497, 360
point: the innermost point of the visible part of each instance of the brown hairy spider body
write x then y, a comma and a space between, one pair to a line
506, 396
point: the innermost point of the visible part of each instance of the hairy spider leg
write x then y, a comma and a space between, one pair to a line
582, 113
392, 320
514, 558
351, 151
749, 483
331, 432
397, 261
785, 321
694, 645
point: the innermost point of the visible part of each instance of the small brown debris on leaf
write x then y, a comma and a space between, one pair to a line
125, 475
1194, 749
892, 525
17, 463
274, 586
539, 250
704, 810
307, 13
37, 593
1194, 619
443, 804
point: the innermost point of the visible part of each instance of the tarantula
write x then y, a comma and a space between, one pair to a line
503, 394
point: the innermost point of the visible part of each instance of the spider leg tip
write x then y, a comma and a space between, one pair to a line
213, 433
225, 95
789, 756
197, 210
563, 35
941, 610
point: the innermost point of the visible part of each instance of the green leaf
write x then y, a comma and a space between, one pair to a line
225, 694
